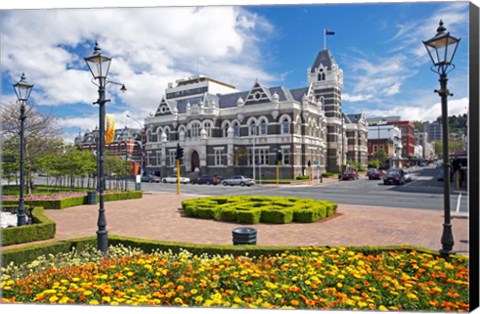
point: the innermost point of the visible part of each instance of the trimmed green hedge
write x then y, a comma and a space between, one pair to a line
42, 228
31, 252
255, 209
78, 200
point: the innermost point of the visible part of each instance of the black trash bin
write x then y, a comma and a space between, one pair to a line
91, 197
244, 235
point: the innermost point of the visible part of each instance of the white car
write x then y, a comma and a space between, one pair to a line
407, 176
173, 179
239, 180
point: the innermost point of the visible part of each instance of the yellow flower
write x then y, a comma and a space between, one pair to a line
76, 279
382, 308
93, 302
199, 299
53, 298
106, 299
194, 291
341, 276
412, 296
87, 293
339, 285
362, 304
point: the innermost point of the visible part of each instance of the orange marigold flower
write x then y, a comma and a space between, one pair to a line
294, 303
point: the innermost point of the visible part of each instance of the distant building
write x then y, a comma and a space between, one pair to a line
408, 137
434, 130
421, 138
357, 138
387, 138
127, 143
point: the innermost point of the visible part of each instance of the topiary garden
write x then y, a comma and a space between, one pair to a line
256, 209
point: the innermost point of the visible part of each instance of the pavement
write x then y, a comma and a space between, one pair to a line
158, 216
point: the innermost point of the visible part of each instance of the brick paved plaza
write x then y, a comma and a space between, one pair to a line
158, 216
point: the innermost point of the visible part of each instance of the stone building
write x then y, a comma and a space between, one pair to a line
127, 143
225, 131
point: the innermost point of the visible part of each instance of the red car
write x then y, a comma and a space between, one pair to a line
375, 174
349, 175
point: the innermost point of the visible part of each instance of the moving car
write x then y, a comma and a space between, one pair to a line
408, 177
239, 180
375, 174
207, 179
149, 178
173, 179
349, 175
394, 176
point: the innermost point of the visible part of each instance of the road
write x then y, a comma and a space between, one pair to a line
424, 192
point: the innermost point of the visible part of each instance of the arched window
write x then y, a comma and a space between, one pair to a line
167, 133
252, 129
225, 128
236, 129
263, 127
195, 130
286, 126
208, 128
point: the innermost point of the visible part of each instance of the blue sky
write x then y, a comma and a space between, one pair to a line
378, 45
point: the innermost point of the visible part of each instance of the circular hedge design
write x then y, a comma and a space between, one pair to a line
255, 209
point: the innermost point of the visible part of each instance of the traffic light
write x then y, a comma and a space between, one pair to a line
179, 154
279, 156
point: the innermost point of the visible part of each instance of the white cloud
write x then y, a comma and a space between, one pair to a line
355, 98
150, 47
421, 113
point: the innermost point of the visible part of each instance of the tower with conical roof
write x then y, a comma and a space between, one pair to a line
326, 79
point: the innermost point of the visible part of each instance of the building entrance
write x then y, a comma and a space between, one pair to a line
195, 161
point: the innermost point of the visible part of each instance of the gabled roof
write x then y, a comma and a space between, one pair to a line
324, 57
354, 118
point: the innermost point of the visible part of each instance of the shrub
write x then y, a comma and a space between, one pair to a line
42, 229
77, 200
249, 217
302, 177
277, 216
254, 209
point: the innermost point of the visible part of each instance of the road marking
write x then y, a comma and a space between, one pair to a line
458, 202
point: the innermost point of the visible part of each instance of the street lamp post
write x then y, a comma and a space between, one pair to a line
125, 138
442, 48
254, 134
99, 65
22, 89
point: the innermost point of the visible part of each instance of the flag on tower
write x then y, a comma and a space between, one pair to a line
325, 33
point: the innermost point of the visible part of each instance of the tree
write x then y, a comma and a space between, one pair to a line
452, 146
381, 156
41, 134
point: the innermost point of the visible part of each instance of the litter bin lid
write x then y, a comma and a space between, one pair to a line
244, 230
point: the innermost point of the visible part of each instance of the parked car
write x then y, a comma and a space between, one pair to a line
207, 179
349, 175
394, 176
173, 179
149, 178
375, 174
239, 180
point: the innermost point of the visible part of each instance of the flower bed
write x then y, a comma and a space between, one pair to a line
255, 209
64, 200
313, 278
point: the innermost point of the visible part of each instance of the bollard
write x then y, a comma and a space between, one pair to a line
244, 235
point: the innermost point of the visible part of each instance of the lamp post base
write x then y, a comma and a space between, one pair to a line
102, 241
447, 240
